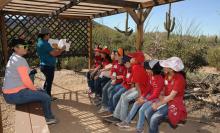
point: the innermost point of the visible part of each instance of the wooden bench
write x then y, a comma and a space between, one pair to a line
29, 118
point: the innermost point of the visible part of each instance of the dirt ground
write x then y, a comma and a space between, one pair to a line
76, 114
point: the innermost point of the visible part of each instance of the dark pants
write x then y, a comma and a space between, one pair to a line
99, 84
48, 72
90, 82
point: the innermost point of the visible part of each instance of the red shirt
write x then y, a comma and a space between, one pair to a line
177, 83
157, 84
176, 108
127, 79
118, 70
140, 77
105, 62
97, 61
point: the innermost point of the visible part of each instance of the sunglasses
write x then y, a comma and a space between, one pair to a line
23, 46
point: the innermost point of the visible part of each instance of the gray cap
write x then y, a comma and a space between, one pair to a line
44, 31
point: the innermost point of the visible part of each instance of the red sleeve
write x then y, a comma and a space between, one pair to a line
179, 84
25, 78
158, 85
138, 75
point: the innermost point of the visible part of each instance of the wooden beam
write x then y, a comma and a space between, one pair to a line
37, 3
81, 10
62, 2
109, 13
121, 3
98, 5
65, 16
27, 9
32, 6
92, 8
146, 13
29, 4
153, 3
65, 7
4, 37
133, 14
90, 49
27, 13
3, 3
139, 16
79, 13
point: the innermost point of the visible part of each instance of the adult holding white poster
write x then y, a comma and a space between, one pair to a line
47, 55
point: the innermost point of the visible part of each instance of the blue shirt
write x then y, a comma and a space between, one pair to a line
43, 51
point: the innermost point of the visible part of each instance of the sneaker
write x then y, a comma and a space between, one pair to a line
92, 95
139, 131
51, 121
102, 110
123, 125
112, 120
97, 103
106, 114
53, 98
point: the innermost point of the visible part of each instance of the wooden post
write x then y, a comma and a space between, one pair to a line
4, 38
1, 127
139, 18
90, 63
140, 30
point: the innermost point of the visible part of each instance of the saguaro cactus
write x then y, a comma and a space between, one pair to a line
169, 24
216, 39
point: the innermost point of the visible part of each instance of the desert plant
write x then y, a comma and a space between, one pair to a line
216, 39
213, 57
169, 24
74, 63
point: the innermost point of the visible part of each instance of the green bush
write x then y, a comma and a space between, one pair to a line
74, 63
213, 57
192, 54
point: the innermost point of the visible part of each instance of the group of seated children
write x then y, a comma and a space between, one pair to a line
155, 87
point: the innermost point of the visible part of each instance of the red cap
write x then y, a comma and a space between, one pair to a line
105, 50
139, 56
98, 49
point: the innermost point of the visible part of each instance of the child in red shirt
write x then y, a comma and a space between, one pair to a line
156, 85
172, 103
97, 65
117, 72
122, 87
140, 79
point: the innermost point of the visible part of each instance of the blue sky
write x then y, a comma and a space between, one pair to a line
203, 13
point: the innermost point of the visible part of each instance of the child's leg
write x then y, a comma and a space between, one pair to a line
118, 108
132, 112
131, 95
156, 118
117, 96
112, 93
105, 94
141, 118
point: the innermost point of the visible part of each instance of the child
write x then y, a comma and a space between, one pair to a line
172, 104
97, 65
124, 84
140, 79
117, 70
156, 81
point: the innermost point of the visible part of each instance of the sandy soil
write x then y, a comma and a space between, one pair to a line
76, 114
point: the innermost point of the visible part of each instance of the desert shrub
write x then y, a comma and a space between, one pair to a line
192, 54
213, 57
74, 63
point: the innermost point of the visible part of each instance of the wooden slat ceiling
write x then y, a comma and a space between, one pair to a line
77, 8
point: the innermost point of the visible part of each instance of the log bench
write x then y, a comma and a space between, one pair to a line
29, 118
